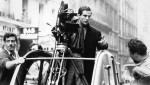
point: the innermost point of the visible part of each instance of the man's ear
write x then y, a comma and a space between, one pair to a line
135, 54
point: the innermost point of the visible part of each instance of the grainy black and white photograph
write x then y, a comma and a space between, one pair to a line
74, 42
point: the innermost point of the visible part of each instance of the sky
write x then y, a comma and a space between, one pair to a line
143, 17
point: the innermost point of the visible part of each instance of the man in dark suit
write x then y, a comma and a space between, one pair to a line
84, 44
9, 59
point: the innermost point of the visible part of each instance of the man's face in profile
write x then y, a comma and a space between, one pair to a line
135, 57
34, 47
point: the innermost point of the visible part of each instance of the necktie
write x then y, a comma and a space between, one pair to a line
12, 54
78, 40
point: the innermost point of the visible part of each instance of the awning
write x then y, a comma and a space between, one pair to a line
99, 25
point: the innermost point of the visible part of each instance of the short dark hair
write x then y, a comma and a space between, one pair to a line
137, 46
39, 46
7, 35
83, 8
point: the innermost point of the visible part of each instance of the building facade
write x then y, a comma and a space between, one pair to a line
10, 17
16, 14
128, 27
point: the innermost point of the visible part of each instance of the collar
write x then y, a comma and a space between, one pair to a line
87, 26
14, 56
144, 60
7, 51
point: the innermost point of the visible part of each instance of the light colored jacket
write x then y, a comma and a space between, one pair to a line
141, 73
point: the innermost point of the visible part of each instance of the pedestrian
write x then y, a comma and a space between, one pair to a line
138, 52
9, 59
35, 46
84, 44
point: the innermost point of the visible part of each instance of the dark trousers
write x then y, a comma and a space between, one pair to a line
88, 70
72, 77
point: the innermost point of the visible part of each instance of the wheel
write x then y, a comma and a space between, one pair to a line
26, 67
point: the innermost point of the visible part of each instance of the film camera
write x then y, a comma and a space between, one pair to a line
66, 24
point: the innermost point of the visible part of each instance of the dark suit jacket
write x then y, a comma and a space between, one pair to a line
87, 49
91, 42
5, 74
